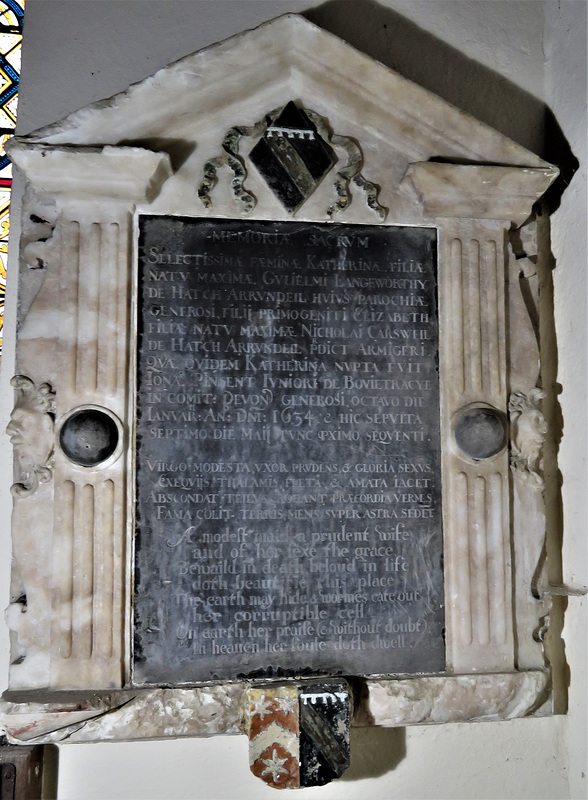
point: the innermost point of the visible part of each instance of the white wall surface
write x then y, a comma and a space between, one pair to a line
565, 45
498, 59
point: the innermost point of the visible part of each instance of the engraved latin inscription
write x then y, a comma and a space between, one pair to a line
288, 517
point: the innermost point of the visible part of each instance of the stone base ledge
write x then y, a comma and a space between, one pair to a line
459, 698
136, 714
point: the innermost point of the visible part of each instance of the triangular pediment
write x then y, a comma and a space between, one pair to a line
246, 76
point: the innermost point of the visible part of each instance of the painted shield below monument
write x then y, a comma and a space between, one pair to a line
288, 487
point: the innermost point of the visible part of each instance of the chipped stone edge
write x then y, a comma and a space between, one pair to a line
459, 698
130, 715
479, 191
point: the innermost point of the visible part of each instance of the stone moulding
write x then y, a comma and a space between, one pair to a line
483, 192
463, 698
73, 547
158, 713
125, 173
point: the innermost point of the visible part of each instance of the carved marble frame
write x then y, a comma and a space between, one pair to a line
73, 629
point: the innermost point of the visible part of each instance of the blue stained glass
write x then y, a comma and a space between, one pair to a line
11, 23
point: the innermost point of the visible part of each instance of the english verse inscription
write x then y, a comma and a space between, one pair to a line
288, 498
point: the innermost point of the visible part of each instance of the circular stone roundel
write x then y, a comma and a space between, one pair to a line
88, 437
480, 432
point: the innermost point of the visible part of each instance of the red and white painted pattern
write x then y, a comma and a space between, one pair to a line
274, 736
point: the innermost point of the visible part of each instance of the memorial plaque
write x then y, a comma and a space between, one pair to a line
288, 485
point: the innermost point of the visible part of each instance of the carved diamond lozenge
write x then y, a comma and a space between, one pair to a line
292, 157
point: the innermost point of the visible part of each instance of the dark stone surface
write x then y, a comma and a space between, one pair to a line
292, 157
89, 437
288, 511
481, 433
27, 771
324, 732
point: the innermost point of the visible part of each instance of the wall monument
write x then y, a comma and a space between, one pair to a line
277, 426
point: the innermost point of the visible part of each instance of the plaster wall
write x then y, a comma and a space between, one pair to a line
565, 46
501, 61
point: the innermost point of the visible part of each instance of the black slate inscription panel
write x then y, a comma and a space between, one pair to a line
288, 486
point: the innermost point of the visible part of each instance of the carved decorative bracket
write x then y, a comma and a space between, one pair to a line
528, 431
31, 430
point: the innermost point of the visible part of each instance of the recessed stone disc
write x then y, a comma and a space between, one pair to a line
480, 433
89, 437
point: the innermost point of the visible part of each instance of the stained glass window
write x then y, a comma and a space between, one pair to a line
11, 19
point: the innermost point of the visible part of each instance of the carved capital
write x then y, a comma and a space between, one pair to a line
31, 431
528, 431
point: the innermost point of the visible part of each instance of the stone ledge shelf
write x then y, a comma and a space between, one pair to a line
208, 711
460, 698
118, 173
483, 192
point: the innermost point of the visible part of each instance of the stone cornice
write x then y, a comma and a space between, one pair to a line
307, 63
476, 191
129, 174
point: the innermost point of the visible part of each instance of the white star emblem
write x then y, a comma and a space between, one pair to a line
261, 707
286, 704
275, 765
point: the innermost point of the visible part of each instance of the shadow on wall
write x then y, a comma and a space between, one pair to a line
421, 57
374, 752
